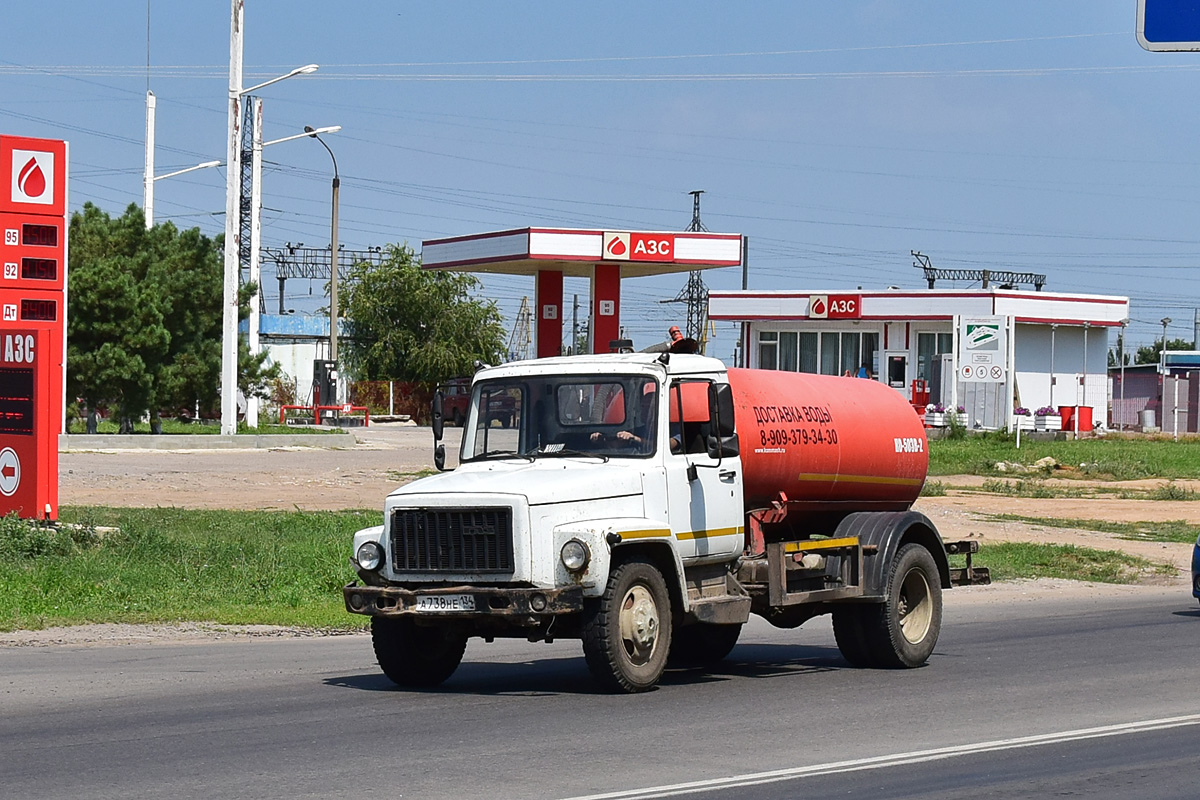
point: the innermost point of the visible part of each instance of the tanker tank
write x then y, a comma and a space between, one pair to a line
831, 444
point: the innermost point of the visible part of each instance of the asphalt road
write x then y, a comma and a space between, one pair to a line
784, 717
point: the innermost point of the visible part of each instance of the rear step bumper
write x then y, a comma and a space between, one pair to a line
968, 575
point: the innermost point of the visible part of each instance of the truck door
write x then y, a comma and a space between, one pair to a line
704, 494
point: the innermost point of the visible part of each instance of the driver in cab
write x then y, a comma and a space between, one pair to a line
639, 436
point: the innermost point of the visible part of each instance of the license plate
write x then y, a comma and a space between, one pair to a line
445, 602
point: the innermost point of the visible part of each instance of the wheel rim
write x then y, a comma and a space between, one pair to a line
915, 606
639, 625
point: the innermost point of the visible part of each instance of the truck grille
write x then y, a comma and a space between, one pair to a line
452, 540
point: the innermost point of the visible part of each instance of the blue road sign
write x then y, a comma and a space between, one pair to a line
1168, 25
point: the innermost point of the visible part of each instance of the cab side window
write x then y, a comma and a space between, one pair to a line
690, 425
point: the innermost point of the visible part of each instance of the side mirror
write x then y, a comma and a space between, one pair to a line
438, 420
439, 457
720, 408
723, 446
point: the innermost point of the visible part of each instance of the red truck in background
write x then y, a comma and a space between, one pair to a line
457, 402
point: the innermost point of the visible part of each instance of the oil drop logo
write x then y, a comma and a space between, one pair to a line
616, 246
32, 177
818, 306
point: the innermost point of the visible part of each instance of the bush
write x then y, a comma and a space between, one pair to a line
24, 539
1173, 491
1021, 488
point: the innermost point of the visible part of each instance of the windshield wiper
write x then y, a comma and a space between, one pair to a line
566, 451
490, 453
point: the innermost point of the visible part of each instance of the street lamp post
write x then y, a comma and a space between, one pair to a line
233, 161
1162, 378
148, 176
148, 172
252, 404
232, 229
1162, 356
333, 248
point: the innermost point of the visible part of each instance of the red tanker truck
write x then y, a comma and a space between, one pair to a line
647, 505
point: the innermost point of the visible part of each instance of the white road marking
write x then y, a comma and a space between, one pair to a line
876, 762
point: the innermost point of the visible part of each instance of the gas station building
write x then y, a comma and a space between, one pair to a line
987, 350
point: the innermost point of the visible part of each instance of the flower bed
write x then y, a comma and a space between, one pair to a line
1047, 418
938, 416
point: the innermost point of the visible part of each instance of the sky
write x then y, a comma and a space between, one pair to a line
1028, 135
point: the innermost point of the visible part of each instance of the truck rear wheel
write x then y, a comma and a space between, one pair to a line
414, 656
902, 631
628, 635
702, 645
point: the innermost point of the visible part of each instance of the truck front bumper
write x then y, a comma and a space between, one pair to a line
516, 605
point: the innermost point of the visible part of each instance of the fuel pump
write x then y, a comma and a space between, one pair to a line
325, 379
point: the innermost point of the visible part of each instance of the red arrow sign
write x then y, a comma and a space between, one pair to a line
8, 471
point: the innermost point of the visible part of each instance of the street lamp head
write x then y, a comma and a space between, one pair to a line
305, 70
1166, 321
205, 165
312, 132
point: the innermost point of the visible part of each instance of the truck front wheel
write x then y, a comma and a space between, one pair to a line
414, 656
902, 631
627, 637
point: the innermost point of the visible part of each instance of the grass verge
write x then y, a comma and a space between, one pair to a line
288, 568
1038, 488
1013, 560
934, 489
1029, 488
1176, 530
398, 475
1111, 458
169, 565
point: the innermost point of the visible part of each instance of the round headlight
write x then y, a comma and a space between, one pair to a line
370, 555
575, 555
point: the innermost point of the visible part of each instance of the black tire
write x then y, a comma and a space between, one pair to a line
849, 630
702, 645
414, 656
457, 418
902, 631
627, 636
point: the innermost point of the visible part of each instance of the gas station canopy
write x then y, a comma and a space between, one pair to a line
605, 257
528, 251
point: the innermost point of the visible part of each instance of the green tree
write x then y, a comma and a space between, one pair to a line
116, 336
411, 324
145, 318
1152, 354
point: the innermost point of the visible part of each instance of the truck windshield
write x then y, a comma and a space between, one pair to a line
608, 416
